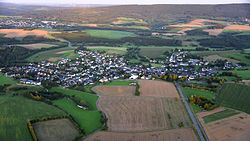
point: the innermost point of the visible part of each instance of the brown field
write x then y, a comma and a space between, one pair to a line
114, 90
207, 113
212, 58
214, 32
184, 134
55, 130
238, 27
14, 33
37, 46
158, 89
235, 128
133, 113
196, 23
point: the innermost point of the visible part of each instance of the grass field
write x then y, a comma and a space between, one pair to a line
89, 121
220, 53
197, 92
37, 46
235, 96
220, 115
109, 50
238, 56
53, 55
87, 97
6, 80
244, 74
109, 34
120, 83
14, 113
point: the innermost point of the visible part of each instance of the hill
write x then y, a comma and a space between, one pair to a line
235, 96
149, 13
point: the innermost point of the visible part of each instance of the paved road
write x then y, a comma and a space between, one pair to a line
195, 121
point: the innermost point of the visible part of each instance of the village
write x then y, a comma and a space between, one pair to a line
92, 66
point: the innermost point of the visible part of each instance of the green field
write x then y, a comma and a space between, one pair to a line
53, 55
220, 115
197, 92
89, 121
14, 113
109, 34
6, 80
238, 56
220, 53
119, 83
235, 96
87, 97
244, 74
109, 50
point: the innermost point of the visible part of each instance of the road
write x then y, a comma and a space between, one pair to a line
201, 133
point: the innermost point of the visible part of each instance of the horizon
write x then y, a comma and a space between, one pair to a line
128, 2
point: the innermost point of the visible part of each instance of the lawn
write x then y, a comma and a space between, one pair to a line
197, 92
89, 121
15, 111
53, 55
6, 80
235, 96
89, 98
220, 115
110, 34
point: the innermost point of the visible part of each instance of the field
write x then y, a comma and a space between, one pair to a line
235, 128
36, 46
154, 52
55, 130
132, 113
120, 83
87, 97
238, 56
197, 23
237, 28
244, 74
15, 33
53, 55
213, 58
197, 92
114, 90
158, 89
220, 53
109, 34
220, 115
6, 80
109, 50
89, 121
184, 134
15, 111
235, 96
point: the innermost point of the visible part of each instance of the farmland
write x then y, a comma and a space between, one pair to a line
158, 89
120, 83
235, 96
238, 56
109, 34
197, 92
53, 55
109, 50
15, 111
88, 120
143, 113
235, 128
37, 46
220, 115
14, 33
114, 90
166, 135
55, 130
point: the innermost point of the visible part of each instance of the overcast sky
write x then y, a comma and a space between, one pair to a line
126, 1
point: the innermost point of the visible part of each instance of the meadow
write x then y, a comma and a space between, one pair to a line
109, 50
53, 55
16, 111
89, 121
238, 56
120, 83
234, 96
109, 34
197, 92
6, 80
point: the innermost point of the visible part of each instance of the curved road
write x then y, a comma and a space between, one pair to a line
201, 133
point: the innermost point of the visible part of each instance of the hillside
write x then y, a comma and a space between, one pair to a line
150, 13
235, 96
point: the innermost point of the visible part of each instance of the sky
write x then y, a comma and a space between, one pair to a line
126, 1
